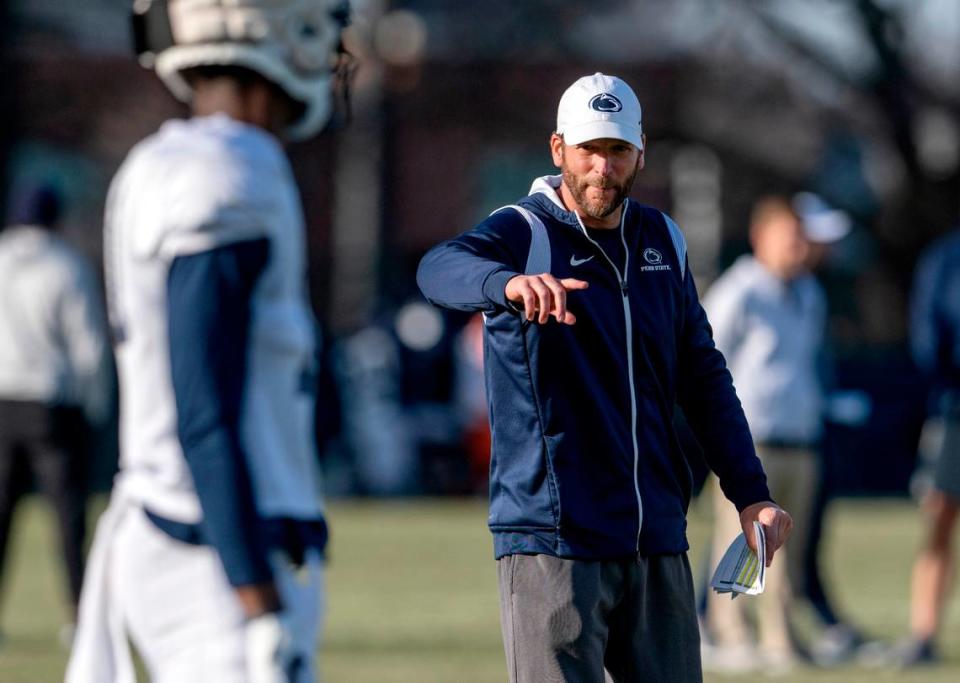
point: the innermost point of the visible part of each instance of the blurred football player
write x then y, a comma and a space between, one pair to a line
209, 556
56, 387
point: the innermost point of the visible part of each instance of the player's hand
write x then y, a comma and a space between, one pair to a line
258, 598
542, 296
776, 522
270, 653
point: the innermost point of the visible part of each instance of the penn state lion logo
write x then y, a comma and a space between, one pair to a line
606, 103
652, 256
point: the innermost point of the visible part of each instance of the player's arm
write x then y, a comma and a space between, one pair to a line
208, 295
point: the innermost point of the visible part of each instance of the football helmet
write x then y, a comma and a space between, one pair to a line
294, 44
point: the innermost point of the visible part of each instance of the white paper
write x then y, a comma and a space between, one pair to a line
741, 570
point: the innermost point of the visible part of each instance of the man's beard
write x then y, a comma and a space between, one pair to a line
598, 208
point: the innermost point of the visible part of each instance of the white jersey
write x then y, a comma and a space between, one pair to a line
196, 185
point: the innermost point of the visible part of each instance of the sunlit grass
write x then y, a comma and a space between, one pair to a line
413, 597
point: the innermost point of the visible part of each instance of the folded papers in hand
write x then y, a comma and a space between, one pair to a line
741, 570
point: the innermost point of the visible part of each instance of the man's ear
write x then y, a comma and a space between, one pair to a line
556, 149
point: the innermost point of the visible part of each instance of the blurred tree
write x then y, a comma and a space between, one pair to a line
896, 87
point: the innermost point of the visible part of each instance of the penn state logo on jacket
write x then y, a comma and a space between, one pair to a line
654, 260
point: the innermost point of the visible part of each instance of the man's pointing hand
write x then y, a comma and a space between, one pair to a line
542, 296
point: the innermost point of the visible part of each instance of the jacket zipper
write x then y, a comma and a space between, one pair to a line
625, 298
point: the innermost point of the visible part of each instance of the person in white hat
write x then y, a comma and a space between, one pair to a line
769, 316
593, 330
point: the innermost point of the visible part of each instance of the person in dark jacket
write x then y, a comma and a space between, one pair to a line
593, 332
935, 342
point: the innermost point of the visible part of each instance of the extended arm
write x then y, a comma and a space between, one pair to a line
480, 271
470, 272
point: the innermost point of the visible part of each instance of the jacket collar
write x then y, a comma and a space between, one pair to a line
544, 197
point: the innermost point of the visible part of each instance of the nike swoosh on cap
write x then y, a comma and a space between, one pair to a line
574, 261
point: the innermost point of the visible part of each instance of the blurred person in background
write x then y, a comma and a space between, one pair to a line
935, 343
381, 438
209, 557
768, 315
55, 379
593, 330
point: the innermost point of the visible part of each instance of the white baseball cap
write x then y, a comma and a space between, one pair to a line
822, 223
599, 106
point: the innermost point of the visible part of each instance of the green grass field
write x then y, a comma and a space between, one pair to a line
413, 597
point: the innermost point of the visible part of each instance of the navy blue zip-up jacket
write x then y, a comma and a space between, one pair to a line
585, 461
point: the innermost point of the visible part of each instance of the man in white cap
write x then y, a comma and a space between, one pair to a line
593, 330
768, 315
209, 557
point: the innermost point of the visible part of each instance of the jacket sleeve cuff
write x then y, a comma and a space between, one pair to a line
746, 496
495, 284
253, 570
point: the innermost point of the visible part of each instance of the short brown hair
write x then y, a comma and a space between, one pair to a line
768, 207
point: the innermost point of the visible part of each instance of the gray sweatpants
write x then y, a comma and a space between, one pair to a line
569, 620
